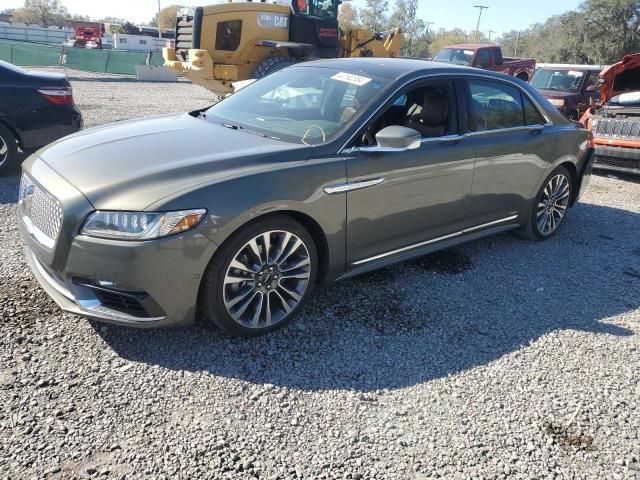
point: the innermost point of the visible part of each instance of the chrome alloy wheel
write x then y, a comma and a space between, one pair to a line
266, 279
553, 204
4, 151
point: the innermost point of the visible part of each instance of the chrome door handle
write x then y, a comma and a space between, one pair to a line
351, 186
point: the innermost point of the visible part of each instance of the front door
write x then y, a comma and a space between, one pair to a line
404, 198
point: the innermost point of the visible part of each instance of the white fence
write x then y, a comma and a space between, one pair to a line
57, 36
35, 33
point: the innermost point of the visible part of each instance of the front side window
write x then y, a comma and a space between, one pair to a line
497, 54
495, 105
228, 35
483, 59
317, 8
308, 105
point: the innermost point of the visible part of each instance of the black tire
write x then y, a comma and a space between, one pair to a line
8, 151
531, 229
213, 289
273, 64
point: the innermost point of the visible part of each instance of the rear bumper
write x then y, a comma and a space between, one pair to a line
619, 159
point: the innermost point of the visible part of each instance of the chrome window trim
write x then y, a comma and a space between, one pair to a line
452, 76
434, 240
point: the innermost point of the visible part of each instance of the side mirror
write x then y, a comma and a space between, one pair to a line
395, 139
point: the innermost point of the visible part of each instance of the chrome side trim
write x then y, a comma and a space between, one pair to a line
434, 240
351, 186
484, 225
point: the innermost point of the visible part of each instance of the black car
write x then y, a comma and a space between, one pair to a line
36, 108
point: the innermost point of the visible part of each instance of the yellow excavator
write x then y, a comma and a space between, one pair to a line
220, 44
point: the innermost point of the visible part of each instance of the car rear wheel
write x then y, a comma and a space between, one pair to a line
260, 278
8, 150
550, 206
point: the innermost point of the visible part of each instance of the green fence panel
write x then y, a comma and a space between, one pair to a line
29, 54
5, 52
87, 59
125, 62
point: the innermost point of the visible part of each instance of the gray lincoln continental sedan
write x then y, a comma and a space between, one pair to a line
315, 173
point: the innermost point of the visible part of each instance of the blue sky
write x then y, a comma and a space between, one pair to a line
502, 15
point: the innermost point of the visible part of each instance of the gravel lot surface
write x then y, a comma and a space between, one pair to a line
501, 358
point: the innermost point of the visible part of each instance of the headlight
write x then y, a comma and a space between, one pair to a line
140, 225
558, 102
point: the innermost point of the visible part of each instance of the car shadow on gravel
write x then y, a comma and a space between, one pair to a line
429, 318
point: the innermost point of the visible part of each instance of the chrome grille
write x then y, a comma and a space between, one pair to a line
40, 210
618, 128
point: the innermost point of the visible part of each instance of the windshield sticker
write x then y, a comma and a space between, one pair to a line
574, 73
351, 78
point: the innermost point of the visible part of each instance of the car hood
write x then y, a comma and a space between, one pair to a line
620, 77
130, 165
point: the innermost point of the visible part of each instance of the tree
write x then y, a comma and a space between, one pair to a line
374, 15
166, 18
348, 16
129, 29
41, 12
405, 16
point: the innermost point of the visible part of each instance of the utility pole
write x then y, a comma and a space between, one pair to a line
428, 24
515, 52
490, 33
158, 22
481, 8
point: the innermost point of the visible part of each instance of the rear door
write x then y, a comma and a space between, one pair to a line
513, 144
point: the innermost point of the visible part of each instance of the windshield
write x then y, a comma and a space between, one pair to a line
626, 99
458, 56
306, 105
317, 8
558, 80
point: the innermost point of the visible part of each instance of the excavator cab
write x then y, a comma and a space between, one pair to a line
315, 22
236, 40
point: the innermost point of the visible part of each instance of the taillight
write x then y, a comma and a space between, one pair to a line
57, 96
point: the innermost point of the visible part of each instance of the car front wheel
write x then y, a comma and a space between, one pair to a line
260, 278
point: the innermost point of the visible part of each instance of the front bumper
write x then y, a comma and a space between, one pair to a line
149, 283
619, 159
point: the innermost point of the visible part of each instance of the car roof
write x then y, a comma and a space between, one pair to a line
395, 68
471, 46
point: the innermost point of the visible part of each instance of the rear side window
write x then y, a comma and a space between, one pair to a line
495, 105
531, 114
483, 59
228, 35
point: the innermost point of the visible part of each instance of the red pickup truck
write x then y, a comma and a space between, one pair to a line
487, 57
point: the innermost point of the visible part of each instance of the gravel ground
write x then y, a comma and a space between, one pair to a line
501, 358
